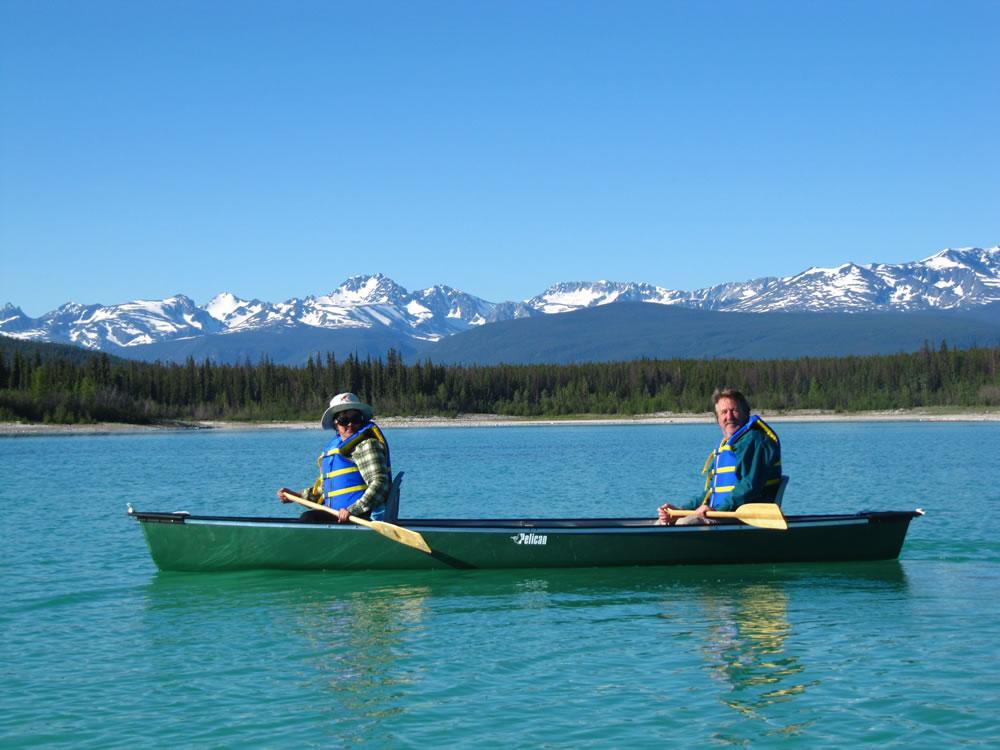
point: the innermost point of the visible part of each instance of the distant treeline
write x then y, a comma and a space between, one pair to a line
100, 388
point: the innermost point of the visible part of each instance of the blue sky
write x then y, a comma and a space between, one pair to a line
273, 149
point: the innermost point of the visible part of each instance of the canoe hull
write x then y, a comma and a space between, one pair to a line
206, 543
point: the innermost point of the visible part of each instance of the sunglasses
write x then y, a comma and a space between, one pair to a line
345, 419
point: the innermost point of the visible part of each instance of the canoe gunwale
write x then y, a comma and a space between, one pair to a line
499, 524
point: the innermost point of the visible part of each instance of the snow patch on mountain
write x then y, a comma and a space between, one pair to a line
576, 295
367, 290
223, 305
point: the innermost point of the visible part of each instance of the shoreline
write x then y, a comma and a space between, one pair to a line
496, 420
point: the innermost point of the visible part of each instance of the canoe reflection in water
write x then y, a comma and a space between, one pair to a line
746, 630
357, 640
745, 646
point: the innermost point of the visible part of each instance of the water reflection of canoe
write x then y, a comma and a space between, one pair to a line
180, 541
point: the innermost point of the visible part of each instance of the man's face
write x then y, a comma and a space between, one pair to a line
731, 417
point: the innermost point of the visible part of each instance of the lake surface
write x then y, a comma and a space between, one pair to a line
99, 649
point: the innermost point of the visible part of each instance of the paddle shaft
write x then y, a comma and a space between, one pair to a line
388, 530
710, 514
332, 511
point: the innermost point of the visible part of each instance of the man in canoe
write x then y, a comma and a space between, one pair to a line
354, 469
744, 468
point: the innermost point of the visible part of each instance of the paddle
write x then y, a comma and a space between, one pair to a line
388, 530
765, 515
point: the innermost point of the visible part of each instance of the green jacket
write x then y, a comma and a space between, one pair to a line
758, 464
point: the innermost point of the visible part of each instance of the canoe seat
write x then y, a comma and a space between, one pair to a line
392, 502
781, 490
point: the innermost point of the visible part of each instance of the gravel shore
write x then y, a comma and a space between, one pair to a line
495, 420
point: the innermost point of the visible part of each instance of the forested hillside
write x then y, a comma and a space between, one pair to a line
45, 350
66, 389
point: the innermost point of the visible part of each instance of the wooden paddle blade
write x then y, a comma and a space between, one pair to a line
396, 533
765, 515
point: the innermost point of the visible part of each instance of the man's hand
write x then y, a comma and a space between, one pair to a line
700, 512
281, 494
342, 515
665, 519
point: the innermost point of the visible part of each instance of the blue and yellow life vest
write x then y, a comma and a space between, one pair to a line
721, 467
343, 484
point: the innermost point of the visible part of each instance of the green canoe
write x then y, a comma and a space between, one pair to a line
184, 542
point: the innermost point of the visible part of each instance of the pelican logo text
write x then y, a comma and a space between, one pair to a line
531, 538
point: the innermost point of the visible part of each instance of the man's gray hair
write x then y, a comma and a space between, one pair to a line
732, 393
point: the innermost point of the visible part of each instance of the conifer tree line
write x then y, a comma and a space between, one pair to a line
104, 389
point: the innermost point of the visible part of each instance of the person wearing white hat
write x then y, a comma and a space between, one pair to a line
355, 472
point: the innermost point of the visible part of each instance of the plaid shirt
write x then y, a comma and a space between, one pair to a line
369, 455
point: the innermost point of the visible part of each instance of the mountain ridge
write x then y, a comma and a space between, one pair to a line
634, 330
376, 306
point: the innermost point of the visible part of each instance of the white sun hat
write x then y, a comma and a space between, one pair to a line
345, 402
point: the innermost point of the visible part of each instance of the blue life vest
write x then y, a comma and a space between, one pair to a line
721, 466
343, 484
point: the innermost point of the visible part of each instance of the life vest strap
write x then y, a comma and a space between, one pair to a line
347, 490
341, 472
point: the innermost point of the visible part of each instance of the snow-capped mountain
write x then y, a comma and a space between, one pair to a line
950, 279
575, 295
13, 320
127, 324
368, 302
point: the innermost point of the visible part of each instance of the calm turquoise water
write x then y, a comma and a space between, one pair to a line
98, 649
